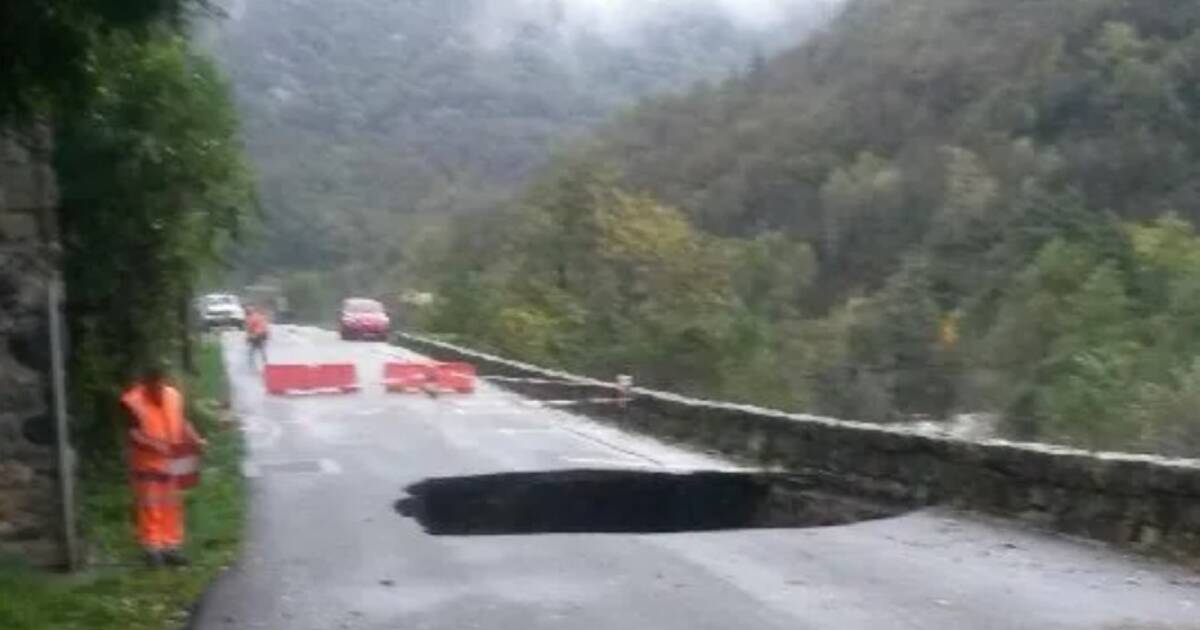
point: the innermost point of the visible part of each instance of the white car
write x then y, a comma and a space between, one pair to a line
220, 310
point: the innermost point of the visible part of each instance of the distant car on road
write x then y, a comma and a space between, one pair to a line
364, 319
221, 310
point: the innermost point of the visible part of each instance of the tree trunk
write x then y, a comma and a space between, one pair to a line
187, 358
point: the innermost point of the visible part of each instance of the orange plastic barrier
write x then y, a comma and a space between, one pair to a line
342, 377
429, 377
455, 377
404, 377
329, 378
282, 379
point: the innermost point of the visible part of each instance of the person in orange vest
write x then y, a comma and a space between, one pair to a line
258, 331
160, 438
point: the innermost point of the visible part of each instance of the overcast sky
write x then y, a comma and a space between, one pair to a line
616, 19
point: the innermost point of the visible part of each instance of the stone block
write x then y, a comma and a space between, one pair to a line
19, 227
14, 474
1187, 515
1176, 479
39, 429
9, 286
21, 390
29, 344
43, 552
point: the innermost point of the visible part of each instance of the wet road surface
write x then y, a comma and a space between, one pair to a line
392, 511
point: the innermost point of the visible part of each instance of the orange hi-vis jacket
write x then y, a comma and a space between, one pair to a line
164, 423
256, 325
159, 478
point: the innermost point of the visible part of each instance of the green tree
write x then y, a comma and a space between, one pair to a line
859, 204
1090, 367
772, 271
153, 182
1168, 414
46, 46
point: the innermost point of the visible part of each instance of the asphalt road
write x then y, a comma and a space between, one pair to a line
328, 549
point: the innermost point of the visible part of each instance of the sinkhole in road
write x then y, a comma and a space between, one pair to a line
627, 501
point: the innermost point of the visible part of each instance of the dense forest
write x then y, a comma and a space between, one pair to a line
371, 121
931, 207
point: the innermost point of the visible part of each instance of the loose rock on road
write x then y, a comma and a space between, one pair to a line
335, 541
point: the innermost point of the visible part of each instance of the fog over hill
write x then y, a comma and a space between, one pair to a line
362, 114
627, 21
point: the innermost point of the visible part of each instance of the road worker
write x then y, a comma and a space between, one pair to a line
160, 439
258, 331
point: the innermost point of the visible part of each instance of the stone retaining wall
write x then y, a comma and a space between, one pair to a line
1145, 502
30, 513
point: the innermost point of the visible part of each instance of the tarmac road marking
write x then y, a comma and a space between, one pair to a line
324, 466
592, 439
527, 431
632, 464
607, 461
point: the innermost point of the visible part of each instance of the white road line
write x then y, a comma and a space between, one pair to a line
626, 463
610, 446
607, 461
572, 402
488, 409
253, 470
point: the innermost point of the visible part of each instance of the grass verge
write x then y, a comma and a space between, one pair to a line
117, 593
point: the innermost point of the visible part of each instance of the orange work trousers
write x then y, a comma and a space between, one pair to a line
159, 507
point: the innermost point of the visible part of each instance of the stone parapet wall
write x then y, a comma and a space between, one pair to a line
30, 513
1137, 501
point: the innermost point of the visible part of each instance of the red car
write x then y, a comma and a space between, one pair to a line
364, 319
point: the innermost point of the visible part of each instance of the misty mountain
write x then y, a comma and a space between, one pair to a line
1096, 97
361, 113
929, 207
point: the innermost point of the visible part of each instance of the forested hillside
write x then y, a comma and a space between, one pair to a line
362, 115
937, 206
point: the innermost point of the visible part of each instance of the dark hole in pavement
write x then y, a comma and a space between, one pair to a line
626, 501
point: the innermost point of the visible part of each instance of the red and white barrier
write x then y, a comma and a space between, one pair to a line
296, 379
282, 379
455, 377
340, 378
407, 377
433, 378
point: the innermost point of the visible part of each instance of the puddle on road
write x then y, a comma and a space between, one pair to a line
625, 501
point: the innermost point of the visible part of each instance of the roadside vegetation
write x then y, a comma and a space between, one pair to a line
153, 187
116, 592
152, 178
936, 207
